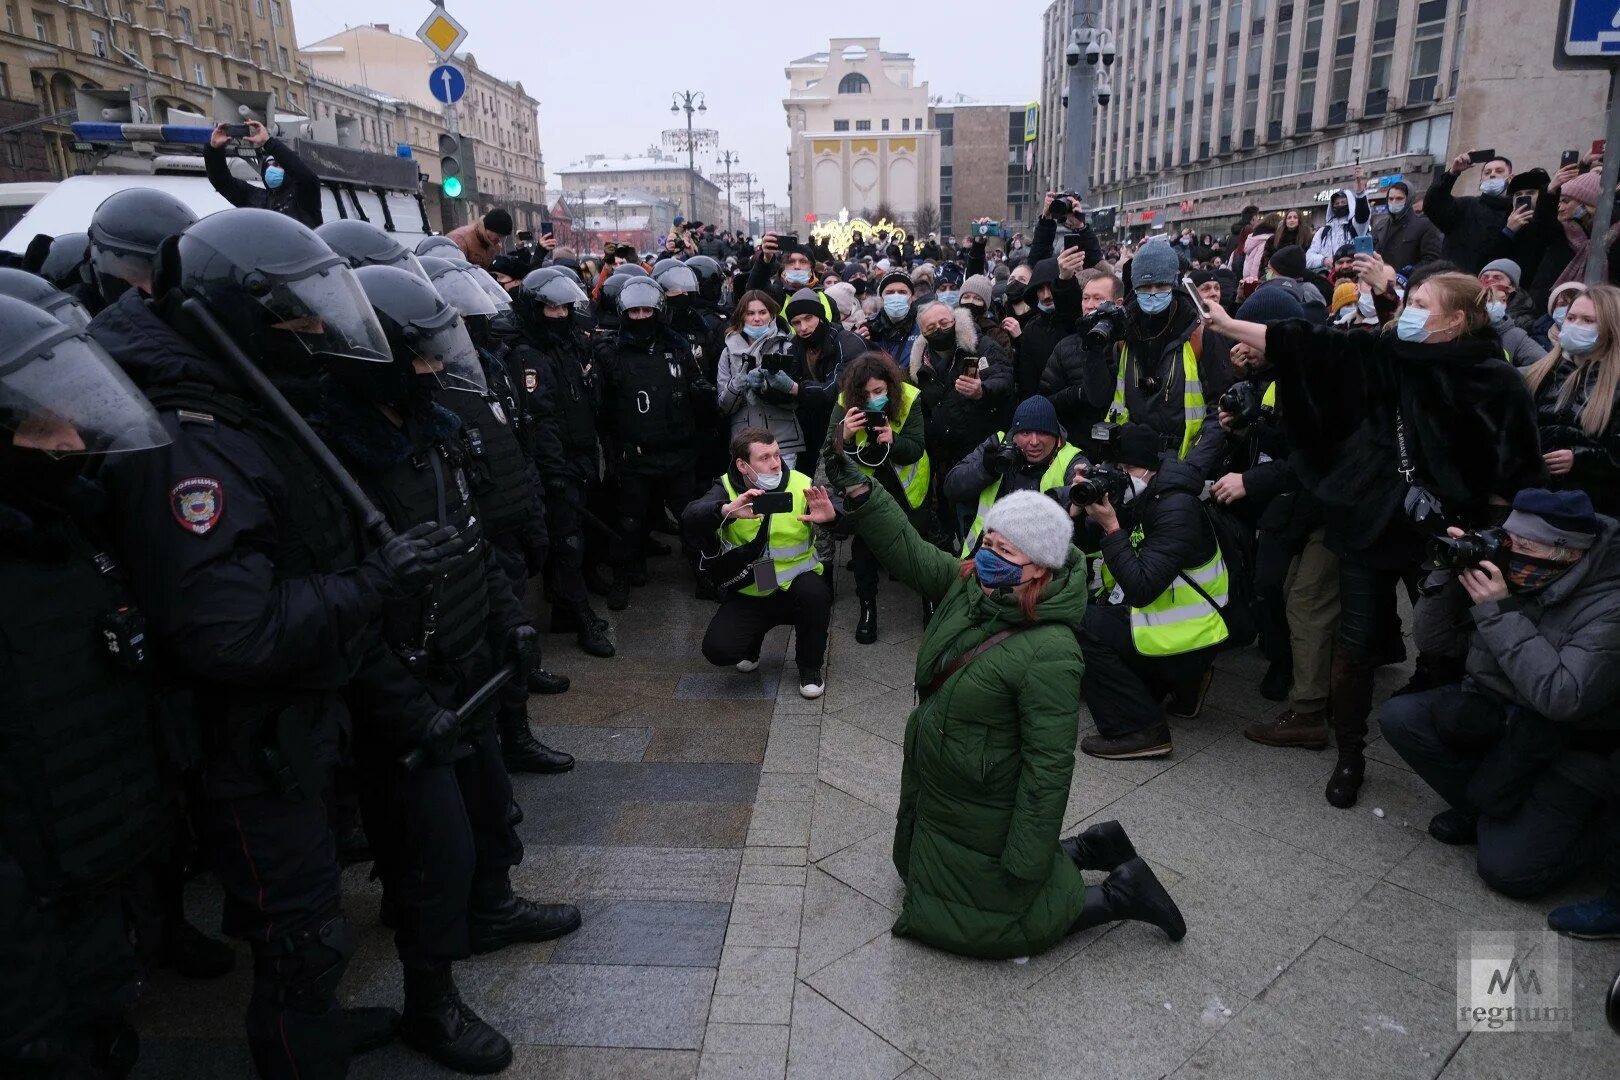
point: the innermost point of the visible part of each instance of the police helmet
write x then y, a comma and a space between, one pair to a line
442, 246
548, 288
65, 263
35, 290
424, 331
629, 269
640, 293
125, 233
62, 394
710, 274
287, 299
363, 244
675, 278
486, 281
458, 287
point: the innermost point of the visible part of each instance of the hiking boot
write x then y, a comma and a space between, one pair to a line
1146, 743
1308, 731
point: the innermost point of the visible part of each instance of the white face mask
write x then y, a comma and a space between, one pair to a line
1138, 485
768, 481
1497, 310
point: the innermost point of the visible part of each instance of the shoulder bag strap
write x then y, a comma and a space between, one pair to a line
966, 658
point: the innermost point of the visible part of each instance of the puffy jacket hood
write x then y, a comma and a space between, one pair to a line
967, 337
151, 352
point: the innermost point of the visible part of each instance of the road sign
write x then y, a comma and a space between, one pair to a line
1593, 29
1032, 115
447, 83
441, 33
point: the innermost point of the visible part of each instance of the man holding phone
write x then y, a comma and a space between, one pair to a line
290, 186
787, 584
1472, 223
1403, 237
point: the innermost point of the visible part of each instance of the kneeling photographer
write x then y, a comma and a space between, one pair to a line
764, 560
1160, 613
1031, 456
1524, 751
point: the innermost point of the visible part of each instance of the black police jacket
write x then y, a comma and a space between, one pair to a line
499, 472
650, 401
562, 391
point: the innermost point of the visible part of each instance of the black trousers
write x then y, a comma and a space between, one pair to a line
565, 520
739, 627
673, 488
1271, 562
1122, 688
507, 552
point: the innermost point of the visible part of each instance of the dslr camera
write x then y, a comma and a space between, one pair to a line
1459, 553
1063, 205
1103, 327
1003, 458
1243, 402
1101, 481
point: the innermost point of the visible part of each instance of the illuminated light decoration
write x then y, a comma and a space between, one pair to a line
839, 233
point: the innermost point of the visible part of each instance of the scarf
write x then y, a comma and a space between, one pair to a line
1578, 243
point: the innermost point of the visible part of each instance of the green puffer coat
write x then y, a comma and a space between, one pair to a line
988, 758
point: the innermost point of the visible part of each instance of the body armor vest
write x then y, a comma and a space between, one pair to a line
494, 458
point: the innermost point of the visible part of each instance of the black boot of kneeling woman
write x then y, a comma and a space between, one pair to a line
1131, 890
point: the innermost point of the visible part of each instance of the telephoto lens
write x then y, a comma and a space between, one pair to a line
1103, 327
1102, 481
1243, 402
1459, 553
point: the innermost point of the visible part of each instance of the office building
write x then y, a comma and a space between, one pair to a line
985, 165
654, 173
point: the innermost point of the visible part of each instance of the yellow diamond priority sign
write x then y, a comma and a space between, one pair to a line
441, 33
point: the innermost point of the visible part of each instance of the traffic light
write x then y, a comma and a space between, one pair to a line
456, 166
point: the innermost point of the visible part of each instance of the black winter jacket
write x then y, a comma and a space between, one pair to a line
1079, 383
554, 371
956, 424
1472, 223
299, 196
1176, 534
1596, 470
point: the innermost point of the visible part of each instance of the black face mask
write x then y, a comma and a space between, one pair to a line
36, 478
638, 331
678, 304
942, 340
1015, 291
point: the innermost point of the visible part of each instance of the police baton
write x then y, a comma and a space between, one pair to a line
260, 386
413, 758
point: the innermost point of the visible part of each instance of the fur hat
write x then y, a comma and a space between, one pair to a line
1035, 525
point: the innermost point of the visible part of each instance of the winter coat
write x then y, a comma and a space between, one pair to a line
1042, 330
818, 391
299, 196
1518, 347
968, 479
1555, 651
1163, 410
1470, 427
1472, 223
758, 408
1254, 255
1338, 231
988, 758
956, 424
478, 246
1408, 240
1596, 469
1080, 384
1176, 535
894, 336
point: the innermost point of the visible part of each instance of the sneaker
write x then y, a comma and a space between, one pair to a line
1592, 920
745, 666
811, 683
1308, 731
1147, 743
1188, 701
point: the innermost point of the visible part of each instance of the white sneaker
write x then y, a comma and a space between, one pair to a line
811, 684
745, 666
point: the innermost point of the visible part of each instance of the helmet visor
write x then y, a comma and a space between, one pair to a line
560, 291
486, 280
121, 265
66, 310
678, 279
329, 315
407, 261
462, 291
65, 396
447, 344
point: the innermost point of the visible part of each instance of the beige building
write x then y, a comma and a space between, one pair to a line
983, 165
169, 55
501, 118
1215, 106
857, 133
653, 174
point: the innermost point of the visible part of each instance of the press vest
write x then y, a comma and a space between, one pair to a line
914, 477
792, 545
1055, 476
1192, 397
1179, 620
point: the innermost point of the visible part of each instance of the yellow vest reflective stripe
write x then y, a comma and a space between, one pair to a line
914, 477
792, 544
1192, 397
1268, 400
1180, 620
1055, 476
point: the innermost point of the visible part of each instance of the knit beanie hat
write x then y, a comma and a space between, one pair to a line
980, 286
1272, 302
1289, 261
1506, 266
1138, 445
1583, 189
842, 294
895, 277
1035, 525
1156, 264
1036, 414
1344, 293
805, 302
1562, 519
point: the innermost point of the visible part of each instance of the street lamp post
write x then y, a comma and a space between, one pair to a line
1089, 45
728, 159
690, 101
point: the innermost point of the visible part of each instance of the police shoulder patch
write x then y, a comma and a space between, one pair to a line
197, 503
530, 380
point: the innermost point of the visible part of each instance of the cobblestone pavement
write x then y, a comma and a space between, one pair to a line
729, 844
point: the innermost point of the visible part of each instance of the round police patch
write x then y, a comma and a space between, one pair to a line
197, 503
530, 380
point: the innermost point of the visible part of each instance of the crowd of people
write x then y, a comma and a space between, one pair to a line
274, 497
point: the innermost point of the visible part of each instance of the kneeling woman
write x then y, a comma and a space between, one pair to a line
989, 750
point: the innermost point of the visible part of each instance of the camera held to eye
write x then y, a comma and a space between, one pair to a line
1106, 481
1459, 553
1103, 327
1002, 458
1244, 402
1064, 204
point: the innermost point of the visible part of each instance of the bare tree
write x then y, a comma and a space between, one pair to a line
884, 212
925, 220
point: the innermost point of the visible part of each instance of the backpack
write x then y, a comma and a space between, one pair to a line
1237, 545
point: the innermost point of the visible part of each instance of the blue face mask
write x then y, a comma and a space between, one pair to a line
1494, 186
1152, 303
1558, 315
1413, 325
274, 175
1577, 338
895, 306
754, 333
949, 298
994, 571
1047, 305
879, 402
1497, 310
796, 277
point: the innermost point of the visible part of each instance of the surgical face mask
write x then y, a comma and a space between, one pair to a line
1413, 324
895, 305
1365, 307
1578, 338
1132, 493
754, 333
769, 481
949, 298
878, 403
1578, 213
1496, 309
996, 572
274, 175
1047, 305
1152, 303
1494, 186
1558, 314
1396, 209
796, 277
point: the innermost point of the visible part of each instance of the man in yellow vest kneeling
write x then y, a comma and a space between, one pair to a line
754, 520
1030, 456
1155, 621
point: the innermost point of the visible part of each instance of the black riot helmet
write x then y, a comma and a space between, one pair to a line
549, 286
289, 301
67, 261
640, 293
621, 276
425, 333
35, 290
125, 233
710, 276
363, 244
442, 246
675, 277
460, 289
61, 394
664, 264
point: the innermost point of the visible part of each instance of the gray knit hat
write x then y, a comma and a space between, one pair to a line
1035, 525
1155, 264
980, 286
1506, 266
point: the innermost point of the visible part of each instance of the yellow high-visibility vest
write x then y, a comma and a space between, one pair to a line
792, 545
1192, 398
914, 477
1179, 620
1055, 476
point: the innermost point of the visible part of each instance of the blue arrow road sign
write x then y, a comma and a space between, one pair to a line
447, 84
1594, 28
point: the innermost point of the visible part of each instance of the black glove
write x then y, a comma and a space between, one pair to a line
434, 741
406, 564
522, 645
1002, 458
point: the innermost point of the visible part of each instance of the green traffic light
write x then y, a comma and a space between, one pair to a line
452, 187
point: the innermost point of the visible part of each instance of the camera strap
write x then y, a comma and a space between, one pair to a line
1407, 469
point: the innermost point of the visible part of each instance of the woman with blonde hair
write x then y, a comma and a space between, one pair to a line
1576, 387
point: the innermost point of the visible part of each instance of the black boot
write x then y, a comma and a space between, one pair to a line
545, 682
500, 918
1451, 826
522, 752
618, 596
193, 953
1132, 892
597, 581
370, 1027
439, 1024
1278, 680
866, 629
593, 637
1345, 783
1104, 846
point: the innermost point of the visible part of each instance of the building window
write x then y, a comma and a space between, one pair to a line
945, 124
200, 73
863, 125
185, 24
258, 8
281, 55
840, 125
275, 12
11, 18
854, 83
1426, 42
44, 28
885, 124
5, 81
918, 124
98, 44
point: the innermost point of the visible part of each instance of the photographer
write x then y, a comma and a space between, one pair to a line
1079, 376
1035, 459
290, 186
788, 585
1155, 624
755, 379
1522, 753
965, 381
1577, 389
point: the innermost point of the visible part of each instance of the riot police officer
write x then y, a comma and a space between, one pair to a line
125, 232
442, 831
79, 803
35, 290
363, 244
553, 365
261, 602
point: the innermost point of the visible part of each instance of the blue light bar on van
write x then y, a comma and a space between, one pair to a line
96, 131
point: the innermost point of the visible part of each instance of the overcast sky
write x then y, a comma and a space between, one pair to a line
604, 71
